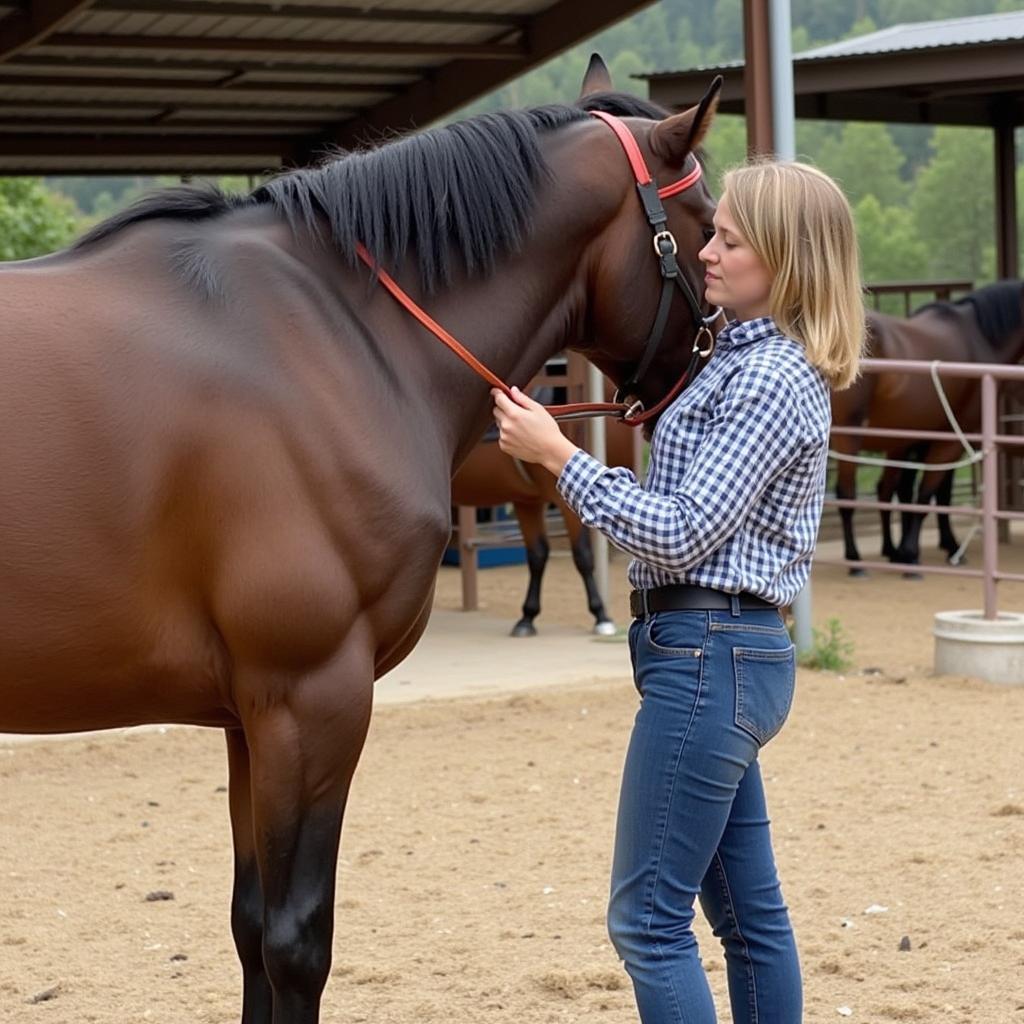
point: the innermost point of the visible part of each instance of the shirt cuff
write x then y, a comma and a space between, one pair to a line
578, 475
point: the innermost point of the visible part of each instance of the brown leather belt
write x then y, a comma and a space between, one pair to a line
690, 597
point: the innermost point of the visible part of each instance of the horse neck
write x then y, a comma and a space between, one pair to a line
513, 322
532, 307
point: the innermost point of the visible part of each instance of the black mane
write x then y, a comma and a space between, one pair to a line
463, 191
997, 308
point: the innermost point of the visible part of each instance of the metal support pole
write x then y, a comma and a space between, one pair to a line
757, 82
784, 146
989, 491
1007, 242
467, 558
783, 112
599, 449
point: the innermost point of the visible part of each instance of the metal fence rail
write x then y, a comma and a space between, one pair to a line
991, 442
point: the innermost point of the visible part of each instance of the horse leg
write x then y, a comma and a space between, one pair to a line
305, 734
888, 482
531, 523
909, 551
583, 559
846, 487
947, 539
247, 896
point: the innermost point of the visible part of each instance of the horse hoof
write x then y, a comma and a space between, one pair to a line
523, 628
859, 574
605, 628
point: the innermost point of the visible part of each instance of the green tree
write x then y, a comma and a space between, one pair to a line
724, 147
865, 160
33, 221
953, 204
889, 247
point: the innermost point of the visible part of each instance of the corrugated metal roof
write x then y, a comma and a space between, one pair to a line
89, 78
925, 35
922, 35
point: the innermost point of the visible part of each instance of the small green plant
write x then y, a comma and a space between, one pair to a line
831, 649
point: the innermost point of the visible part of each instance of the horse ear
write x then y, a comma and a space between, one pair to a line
597, 79
677, 136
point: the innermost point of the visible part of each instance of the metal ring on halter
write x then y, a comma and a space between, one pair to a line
704, 352
712, 316
633, 410
671, 240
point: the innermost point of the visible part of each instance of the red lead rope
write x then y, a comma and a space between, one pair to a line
580, 409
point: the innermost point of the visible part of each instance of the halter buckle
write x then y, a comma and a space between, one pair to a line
665, 236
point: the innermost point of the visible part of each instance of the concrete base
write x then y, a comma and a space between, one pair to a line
968, 644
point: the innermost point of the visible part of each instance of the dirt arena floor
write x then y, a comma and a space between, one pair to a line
475, 854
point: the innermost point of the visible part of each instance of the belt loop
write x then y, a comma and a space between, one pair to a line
644, 606
734, 605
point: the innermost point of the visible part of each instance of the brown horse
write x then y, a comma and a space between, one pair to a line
986, 326
489, 477
227, 453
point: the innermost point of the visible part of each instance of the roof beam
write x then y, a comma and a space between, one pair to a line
147, 63
512, 52
549, 33
271, 108
34, 23
272, 9
171, 126
176, 85
38, 146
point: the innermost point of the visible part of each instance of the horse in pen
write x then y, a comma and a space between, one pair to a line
488, 478
206, 399
985, 326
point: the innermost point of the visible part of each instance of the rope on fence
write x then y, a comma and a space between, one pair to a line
973, 455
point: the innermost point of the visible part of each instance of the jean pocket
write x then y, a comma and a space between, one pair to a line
765, 680
671, 635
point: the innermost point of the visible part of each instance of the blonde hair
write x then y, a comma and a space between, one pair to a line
800, 224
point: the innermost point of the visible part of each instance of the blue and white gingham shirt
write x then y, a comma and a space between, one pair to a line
734, 491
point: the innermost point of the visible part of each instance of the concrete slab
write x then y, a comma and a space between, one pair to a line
465, 654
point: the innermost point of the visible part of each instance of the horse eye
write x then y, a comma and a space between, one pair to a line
709, 233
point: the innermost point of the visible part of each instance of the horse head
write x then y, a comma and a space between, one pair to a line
620, 335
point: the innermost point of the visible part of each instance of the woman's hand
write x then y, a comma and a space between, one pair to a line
528, 431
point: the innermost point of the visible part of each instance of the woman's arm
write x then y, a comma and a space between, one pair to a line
754, 434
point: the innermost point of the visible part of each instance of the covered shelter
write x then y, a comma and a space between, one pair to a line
245, 86
959, 71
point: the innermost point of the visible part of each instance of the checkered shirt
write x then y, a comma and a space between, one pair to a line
733, 494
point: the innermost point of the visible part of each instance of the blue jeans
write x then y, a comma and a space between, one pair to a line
714, 687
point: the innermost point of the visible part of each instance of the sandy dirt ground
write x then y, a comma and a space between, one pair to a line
476, 848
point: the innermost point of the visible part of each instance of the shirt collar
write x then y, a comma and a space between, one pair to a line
742, 332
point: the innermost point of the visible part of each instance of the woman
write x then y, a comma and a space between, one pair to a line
722, 533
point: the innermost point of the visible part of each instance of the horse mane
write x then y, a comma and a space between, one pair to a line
997, 308
462, 191
466, 189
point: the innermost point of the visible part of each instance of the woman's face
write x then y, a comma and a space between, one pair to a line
735, 277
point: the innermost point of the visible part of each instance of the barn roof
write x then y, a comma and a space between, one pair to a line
102, 86
967, 71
